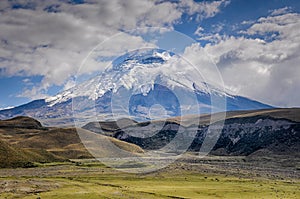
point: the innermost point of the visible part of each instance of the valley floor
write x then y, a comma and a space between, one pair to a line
189, 177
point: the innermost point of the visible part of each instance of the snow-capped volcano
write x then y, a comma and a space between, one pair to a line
144, 84
138, 72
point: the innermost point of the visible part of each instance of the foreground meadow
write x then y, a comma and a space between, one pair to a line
95, 180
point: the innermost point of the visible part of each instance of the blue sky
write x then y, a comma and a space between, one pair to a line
254, 43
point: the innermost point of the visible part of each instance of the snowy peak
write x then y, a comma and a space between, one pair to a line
148, 56
138, 72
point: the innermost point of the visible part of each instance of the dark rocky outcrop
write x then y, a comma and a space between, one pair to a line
240, 135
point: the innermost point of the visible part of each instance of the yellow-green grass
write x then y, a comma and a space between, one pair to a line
162, 185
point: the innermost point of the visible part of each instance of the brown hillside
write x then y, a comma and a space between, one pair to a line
20, 122
11, 156
25, 140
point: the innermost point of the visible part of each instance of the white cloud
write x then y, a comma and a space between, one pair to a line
52, 38
212, 36
287, 25
204, 9
37, 92
198, 57
263, 68
199, 31
281, 11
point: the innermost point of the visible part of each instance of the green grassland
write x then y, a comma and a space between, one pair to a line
94, 180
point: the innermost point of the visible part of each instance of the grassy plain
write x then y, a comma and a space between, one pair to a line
95, 180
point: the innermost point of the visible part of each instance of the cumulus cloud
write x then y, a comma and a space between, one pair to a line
204, 9
199, 58
281, 11
263, 62
52, 38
